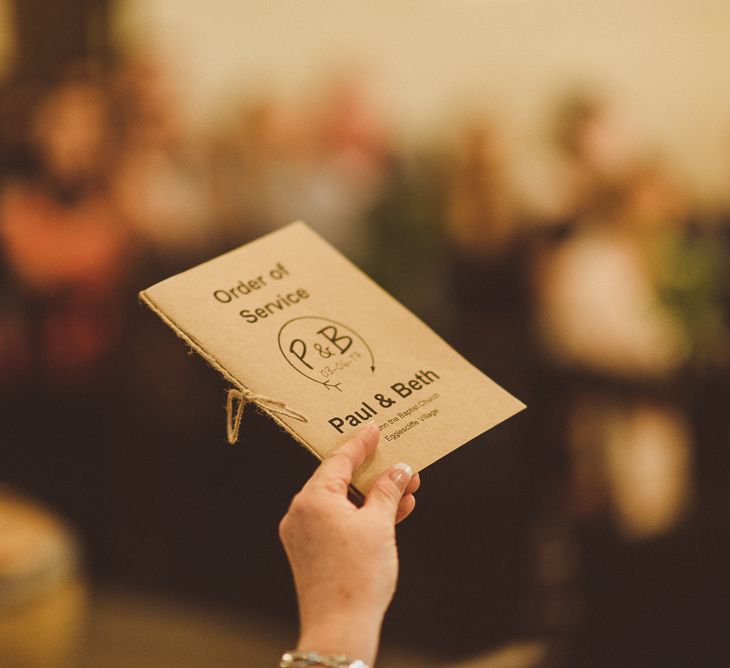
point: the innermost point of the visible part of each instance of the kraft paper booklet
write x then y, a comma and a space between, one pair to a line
298, 330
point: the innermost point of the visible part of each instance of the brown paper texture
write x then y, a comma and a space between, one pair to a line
287, 316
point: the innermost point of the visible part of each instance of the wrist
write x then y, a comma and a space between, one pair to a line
356, 637
296, 659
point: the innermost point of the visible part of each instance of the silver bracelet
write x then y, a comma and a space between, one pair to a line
293, 659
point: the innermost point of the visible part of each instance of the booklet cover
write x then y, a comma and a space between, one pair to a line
300, 331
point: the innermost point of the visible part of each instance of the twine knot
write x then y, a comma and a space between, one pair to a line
237, 400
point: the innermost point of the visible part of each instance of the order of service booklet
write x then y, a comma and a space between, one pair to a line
300, 331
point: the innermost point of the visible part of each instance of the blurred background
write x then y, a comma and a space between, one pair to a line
545, 183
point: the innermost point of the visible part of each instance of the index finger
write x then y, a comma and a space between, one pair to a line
335, 472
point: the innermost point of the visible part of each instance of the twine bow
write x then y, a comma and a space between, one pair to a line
237, 400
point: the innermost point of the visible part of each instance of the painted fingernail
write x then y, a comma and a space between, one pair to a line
401, 474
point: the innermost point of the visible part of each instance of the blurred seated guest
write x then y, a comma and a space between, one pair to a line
65, 242
250, 160
327, 166
42, 598
323, 161
593, 146
599, 309
159, 183
480, 217
346, 157
484, 244
635, 290
625, 304
598, 146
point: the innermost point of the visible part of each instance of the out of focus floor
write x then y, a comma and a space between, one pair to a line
145, 632
141, 631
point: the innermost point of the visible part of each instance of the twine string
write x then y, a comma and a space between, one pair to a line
238, 398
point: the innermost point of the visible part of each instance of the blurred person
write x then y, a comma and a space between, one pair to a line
250, 162
488, 304
485, 246
592, 148
480, 220
69, 256
160, 183
624, 313
66, 245
408, 253
323, 160
335, 170
635, 290
599, 309
599, 148
600, 315
599, 305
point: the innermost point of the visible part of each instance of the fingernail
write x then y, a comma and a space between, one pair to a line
401, 474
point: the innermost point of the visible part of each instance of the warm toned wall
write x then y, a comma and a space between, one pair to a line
667, 59
6, 39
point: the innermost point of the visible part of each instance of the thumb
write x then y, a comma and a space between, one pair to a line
387, 490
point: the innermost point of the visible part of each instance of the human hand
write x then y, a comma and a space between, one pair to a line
343, 558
